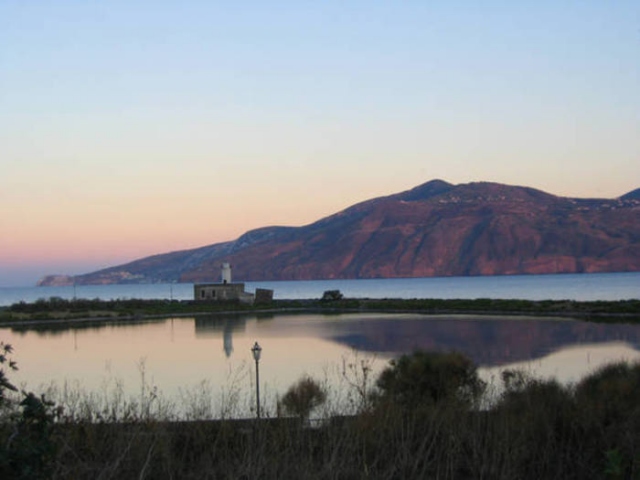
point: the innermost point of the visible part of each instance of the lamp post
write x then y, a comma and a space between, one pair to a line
257, 350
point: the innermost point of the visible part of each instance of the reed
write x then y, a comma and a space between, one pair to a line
531, 429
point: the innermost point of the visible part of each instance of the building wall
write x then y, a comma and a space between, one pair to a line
263, 295
218, 291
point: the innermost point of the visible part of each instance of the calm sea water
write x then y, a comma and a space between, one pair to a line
596, 286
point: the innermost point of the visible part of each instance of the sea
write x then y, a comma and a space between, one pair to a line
580, 287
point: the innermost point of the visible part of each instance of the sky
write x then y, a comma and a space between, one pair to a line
132, 128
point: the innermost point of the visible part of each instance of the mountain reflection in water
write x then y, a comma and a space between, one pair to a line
487, 340
178, 354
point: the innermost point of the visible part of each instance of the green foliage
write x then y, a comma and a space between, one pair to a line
593, 310
5, 352
62, 309
27, 450
532, 395
332, 300
31, 451
429, 378
619, 384
614, 466
331, 296
303, 396
587, 430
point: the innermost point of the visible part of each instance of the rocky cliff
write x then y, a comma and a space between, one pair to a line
435, 229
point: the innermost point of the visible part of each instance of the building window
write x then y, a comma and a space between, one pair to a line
201, 293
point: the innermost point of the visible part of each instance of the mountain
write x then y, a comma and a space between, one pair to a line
632, 195
435, 229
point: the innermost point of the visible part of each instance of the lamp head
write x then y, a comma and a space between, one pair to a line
256, 350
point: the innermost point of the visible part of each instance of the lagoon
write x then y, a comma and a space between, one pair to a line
183, 360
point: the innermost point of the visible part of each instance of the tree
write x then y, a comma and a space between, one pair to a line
303, 396
332, 296
429, 378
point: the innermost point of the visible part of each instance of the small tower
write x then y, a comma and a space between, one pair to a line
225, 273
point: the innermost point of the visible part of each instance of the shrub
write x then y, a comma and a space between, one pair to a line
28, 450
302, 397
610, 414
611, 393
5, 352
538, 417
331, 296
429, 378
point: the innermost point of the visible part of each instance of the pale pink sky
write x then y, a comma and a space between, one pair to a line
131, 130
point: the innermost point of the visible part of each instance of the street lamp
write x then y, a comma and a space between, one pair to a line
257, 350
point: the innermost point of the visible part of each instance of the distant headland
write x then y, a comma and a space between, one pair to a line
434, 229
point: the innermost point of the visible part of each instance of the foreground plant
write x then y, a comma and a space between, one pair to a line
430, 378
27, 449
303, 397
423, 423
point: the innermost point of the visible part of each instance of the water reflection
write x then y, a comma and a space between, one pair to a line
488, 341
62, 327
215, 326
183, 351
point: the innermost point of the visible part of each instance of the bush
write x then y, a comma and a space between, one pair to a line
332, 296
5, 352
430, 378
302, 397
524, 395
611, 393
610, 415
27, 450
536, 418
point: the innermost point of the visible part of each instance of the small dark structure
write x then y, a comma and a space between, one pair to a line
332, 296
263, 295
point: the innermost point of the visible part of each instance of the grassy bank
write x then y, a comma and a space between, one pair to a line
440, 443
58, 309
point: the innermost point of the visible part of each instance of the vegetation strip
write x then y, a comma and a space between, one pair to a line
424, 417
82, 310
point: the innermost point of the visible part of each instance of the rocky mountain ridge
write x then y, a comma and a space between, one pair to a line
434, 229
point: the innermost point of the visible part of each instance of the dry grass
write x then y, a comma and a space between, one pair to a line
534, 429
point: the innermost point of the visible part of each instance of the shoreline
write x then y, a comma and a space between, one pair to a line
39, 314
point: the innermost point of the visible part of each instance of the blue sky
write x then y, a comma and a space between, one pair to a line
134, 128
